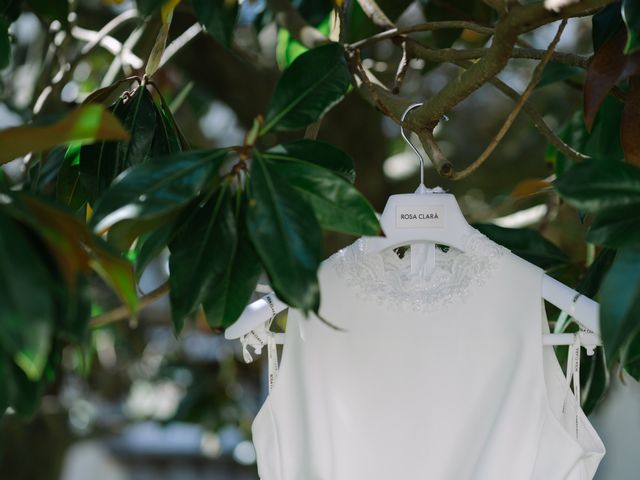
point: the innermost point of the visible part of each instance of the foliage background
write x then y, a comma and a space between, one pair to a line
103, 382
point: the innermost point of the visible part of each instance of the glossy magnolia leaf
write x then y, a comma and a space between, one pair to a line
526, 243
158, 187
591, 281
558, 72
599, 185
5, 43
615, 228
630, 122
27, 313
167, 137
337, 204
315, 152
100, 163
631, 15
201, 254
620, 300
218, 17
608, 67
70, 191
151, 244
286, 235
224, 304
84, 124
313, 83
604, 24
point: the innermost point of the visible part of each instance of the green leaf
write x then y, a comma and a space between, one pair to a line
337, 204
604, 24
158, 187
595, 375
600, 185
526, 243
313, 83
151, 244
288, 49
317, 153
200, 255
224, 304
26, 304
5, 44
615, 228
84, 124
620, 300
69, 189
589, 284
102, 162
557, 72
631, 16
218, 17
117, 272
286, 235
167, 137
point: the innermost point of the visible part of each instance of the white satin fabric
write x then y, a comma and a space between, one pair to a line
459, 388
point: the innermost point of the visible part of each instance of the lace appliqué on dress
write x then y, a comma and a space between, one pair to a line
386, 279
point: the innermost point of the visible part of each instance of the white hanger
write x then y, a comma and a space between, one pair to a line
423, 233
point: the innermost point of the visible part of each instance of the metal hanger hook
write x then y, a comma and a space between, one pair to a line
404, 115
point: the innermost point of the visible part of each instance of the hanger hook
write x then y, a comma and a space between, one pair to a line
404, 115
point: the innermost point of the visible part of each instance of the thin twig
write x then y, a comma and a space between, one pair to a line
423, 27
537, 73
123, 312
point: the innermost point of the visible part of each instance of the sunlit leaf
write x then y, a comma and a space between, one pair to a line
157, 187
84, 124
337, 204
313, 83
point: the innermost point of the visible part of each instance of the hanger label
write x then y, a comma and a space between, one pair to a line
420, 217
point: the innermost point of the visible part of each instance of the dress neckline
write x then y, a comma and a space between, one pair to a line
385, 278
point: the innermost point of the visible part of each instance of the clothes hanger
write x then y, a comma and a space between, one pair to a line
419, 219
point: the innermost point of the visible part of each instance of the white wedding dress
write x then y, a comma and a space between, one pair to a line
439, 376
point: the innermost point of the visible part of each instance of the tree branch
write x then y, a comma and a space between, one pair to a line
537, 73
122, 312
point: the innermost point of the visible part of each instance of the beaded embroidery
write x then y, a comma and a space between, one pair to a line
386, 279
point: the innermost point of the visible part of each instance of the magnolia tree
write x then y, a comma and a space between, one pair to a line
99, 188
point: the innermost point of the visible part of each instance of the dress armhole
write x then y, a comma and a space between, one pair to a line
561, 403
